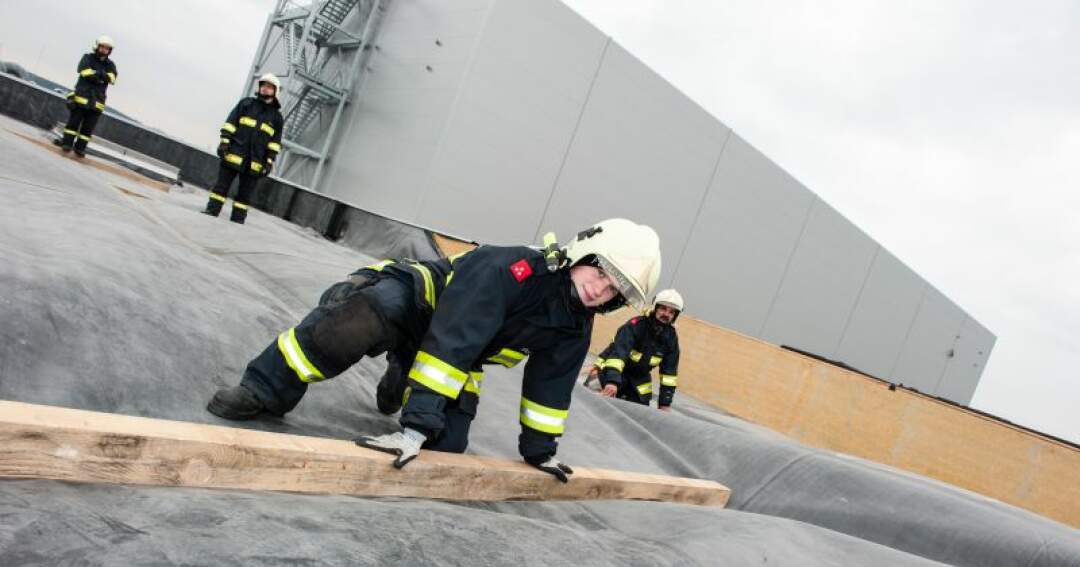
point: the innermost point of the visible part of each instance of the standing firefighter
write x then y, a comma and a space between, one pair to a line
642, 343
87, 102
250, 142
491, 305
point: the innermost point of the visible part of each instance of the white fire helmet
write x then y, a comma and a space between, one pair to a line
628, 251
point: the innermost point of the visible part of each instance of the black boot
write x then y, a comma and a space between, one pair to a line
390, 393
235, 403
213, 205
239, 213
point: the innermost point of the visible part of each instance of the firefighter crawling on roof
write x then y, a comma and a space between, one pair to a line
250, 142
446, 318
624, 368
86, 103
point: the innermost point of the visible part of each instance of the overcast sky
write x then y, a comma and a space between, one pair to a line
948, 131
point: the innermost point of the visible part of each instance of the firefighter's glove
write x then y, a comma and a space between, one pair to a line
553, 467
405, 444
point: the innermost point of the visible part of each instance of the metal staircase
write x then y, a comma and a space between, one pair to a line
318, 48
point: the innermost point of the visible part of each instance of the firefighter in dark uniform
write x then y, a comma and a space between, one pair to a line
250, 142
641, 344
450, 316
87, 102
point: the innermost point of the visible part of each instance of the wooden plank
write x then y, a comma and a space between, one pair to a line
65, 444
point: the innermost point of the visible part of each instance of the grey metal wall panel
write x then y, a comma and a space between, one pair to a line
383, 158
970, 353
512, 122
643, 151
822, 283
745, 232
925, 353
886, 309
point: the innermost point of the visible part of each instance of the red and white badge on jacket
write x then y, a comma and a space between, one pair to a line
520, 270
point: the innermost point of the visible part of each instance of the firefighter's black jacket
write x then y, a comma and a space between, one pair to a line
641, 344
251, 135
95, 76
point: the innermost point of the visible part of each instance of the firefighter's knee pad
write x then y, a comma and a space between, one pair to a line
347, 331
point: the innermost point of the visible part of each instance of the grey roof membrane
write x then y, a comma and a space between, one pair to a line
129, 301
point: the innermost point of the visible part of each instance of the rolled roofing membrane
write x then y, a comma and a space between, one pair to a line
124, 299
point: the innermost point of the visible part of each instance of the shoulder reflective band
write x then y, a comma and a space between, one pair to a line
437, 375
256, 166
112, 78
655, 360
239, 206
99, 105
229, 127
233, 158
475, 379
507, 357
429, 284
267, 128
635, 356
248, 121
378, 266
87, 72
644, 389
217, 197
542, 418
616, 363
294, 356
274, 147
669, 380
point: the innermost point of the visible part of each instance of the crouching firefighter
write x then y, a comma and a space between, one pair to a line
87, 101
641, 344
445, 319
250, 142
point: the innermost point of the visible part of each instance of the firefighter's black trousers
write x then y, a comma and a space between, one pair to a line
80, 127
366, 320
220, 191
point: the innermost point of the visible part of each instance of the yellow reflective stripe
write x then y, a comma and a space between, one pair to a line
248, 121
507, 357
267, 128
87, 72
112, 78
274, 147
655, 361
84, 137
645, 388
269, 161
437, 375
233, 158
449, 277
475, 380
80, 99
429, 284
378, 266
294, 356
405, 396
635, 356
69, 131
599, 364
217, 197
229, 127
616, 363
543, 418
669, 380
455, 257
99, 105
239, 205
225, 141
256, 166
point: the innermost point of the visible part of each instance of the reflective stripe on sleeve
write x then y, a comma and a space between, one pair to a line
476, 378
87, 72
655, 360
669, 380
616, 363
229, 127
274, 147
295, 357
542, 418
224, 140
437, 375
112, 78
507, 357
